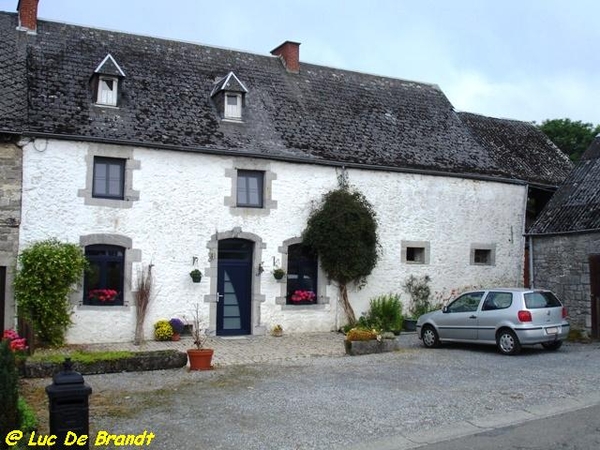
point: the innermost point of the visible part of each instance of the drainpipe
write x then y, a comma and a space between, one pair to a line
531, 274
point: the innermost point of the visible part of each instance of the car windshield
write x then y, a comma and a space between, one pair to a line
535, 300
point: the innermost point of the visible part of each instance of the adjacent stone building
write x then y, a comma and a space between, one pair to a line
565, 243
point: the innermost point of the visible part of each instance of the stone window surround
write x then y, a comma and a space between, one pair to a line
478, 246
131, 255
110, 151
425, 245
212, 273
268, 202
322, 282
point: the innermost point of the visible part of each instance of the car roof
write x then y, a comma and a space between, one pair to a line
504, 289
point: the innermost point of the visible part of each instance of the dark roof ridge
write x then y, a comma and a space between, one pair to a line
230, 49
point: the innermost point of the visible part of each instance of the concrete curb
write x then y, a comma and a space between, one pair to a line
479, 425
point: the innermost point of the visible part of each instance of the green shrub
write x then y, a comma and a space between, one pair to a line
163, 331
27, 419
48, 270
384, 314
9, 391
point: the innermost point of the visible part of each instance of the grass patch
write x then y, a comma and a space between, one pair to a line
81, 356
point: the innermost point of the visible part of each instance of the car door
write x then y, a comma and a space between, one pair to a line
458, 321
495, 309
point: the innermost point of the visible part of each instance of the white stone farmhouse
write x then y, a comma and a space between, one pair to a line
149, 151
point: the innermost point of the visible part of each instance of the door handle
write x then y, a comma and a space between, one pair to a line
472, 317
219, 297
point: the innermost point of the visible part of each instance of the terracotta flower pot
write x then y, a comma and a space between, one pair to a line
176, 337
200, 359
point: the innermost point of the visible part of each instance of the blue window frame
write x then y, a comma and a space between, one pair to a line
105, 274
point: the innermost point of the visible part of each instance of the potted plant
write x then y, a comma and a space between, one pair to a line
177, 325
163, 331
196, 275
277, 331
200, 358
278, 273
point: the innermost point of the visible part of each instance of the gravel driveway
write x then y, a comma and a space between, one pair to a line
339, 402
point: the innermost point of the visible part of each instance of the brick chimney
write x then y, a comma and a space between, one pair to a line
289, 52
27, 15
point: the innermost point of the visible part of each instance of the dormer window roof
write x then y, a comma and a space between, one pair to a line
106, 81
229, 93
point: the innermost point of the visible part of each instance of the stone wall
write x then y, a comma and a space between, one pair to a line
560, 263
10, 218
184, 204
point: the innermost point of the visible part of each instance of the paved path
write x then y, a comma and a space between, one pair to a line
254, 349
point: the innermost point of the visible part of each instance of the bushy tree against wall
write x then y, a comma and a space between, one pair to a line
47, 273
342, 230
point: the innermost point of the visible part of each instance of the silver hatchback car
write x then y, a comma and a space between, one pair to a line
508, 318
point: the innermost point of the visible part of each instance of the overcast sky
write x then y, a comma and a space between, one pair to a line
520, 59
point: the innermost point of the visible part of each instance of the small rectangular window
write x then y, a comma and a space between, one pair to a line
233, 106
415, 254
250, 188
107, 91
482, 256
109, 178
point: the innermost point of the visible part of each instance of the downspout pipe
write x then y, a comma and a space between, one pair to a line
531, 274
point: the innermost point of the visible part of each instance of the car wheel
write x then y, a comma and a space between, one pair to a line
508, 342
552, 345
430, 337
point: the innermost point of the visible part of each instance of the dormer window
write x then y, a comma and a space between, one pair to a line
233, 106
106, 82
107, 90
229, 96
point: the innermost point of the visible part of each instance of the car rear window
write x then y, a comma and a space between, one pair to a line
535, 300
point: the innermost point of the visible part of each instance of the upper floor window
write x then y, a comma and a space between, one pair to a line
250, 188
103, 283
109, 178
302, 276
228, 93
105, 82
233, 106
107, 91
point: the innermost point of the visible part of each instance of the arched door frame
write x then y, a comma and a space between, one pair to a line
212, 272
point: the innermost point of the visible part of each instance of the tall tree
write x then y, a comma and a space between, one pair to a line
572, 137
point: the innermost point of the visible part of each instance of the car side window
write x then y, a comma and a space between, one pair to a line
497, 300
466, 302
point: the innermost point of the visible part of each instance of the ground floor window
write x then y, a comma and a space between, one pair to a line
103, 283
302, 276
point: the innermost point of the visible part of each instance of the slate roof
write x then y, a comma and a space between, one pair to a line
320, 114
575, 206
521, 148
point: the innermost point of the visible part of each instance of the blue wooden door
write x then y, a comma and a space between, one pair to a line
234, 286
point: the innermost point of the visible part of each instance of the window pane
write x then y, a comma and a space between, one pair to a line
106, 273
302, 275
108, 177
232, 100
250, 188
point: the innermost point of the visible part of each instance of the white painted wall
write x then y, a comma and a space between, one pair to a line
181, 206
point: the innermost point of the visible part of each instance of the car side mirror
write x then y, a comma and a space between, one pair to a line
445, 309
